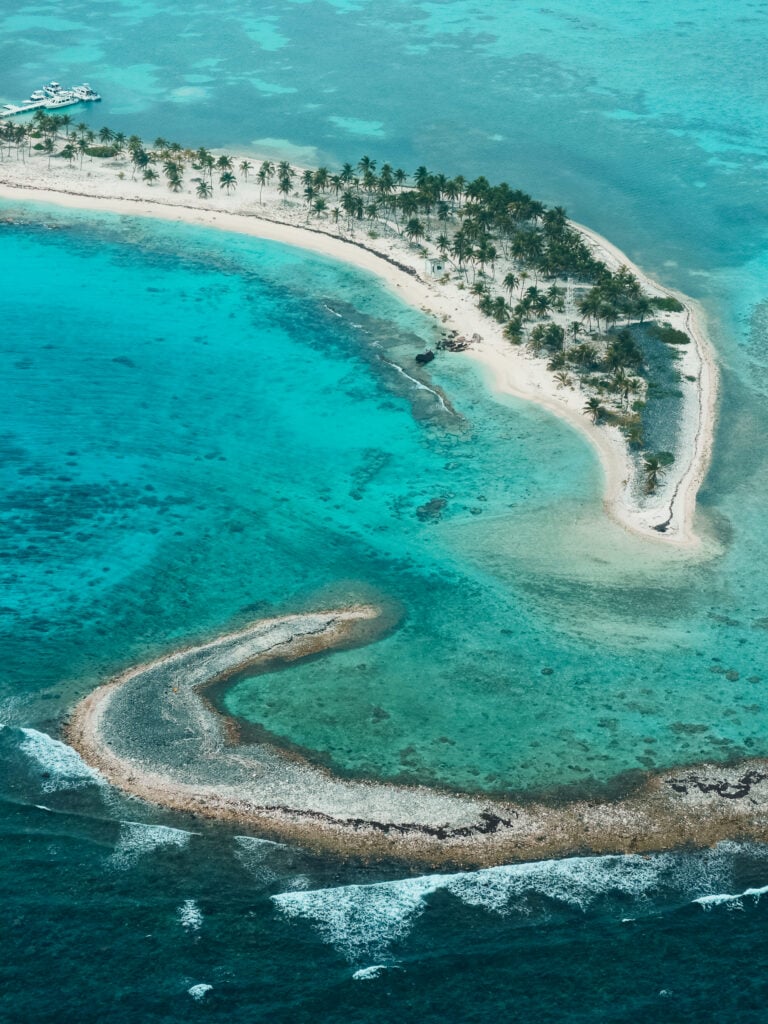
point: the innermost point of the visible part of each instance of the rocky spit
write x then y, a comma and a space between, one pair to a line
153, 733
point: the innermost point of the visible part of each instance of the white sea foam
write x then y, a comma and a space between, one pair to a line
420, 385
733, 901
363, 921
253, 843
137, 839
574, 882
190, 916
298, 882
369, 973
198, 992
12, 710
253, 854
64, 767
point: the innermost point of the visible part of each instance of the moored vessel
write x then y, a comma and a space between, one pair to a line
52, 97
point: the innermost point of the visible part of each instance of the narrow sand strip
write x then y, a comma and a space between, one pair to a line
151, 733
509, 369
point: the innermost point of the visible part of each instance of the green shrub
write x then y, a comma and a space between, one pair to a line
669, 335
668, 304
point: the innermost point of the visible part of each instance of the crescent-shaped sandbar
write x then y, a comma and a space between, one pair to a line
153, 734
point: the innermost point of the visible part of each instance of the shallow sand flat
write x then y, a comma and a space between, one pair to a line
509, 369
152, 733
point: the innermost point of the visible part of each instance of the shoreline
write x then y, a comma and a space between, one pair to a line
160, 706
507, 368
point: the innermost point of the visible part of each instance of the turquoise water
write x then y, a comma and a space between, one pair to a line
201, 430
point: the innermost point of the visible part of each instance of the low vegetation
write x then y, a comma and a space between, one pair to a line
527, 267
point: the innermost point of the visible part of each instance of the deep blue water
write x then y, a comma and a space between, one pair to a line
164, 476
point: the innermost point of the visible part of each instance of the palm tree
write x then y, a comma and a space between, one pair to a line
499, 309
265, 174
228, 181
623, 384
513, 331
139, 159
285, 176
310, 193
594, 409
563, 379
414, 229
584, 355
69, 153
48, 148
203, 190
19, 137
510, 282
149, 175
284, 187
245, 167
486, 253
348, 206
106, 135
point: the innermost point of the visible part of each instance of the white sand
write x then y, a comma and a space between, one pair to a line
510, 370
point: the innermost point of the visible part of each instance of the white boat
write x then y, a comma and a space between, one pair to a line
53, 97
63, 99
85, 92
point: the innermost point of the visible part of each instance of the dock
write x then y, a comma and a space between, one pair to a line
56, 99
9, 110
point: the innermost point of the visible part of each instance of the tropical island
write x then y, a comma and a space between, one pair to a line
553, 314
552, 311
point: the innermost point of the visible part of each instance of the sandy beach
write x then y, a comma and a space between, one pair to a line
507, 368
153, 733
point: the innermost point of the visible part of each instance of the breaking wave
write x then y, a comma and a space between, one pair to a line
137, 839
62, 766
733, 902
256, 855
363, 922
369, 973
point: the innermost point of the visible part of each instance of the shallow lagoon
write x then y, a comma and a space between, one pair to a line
208, 429
648, 122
